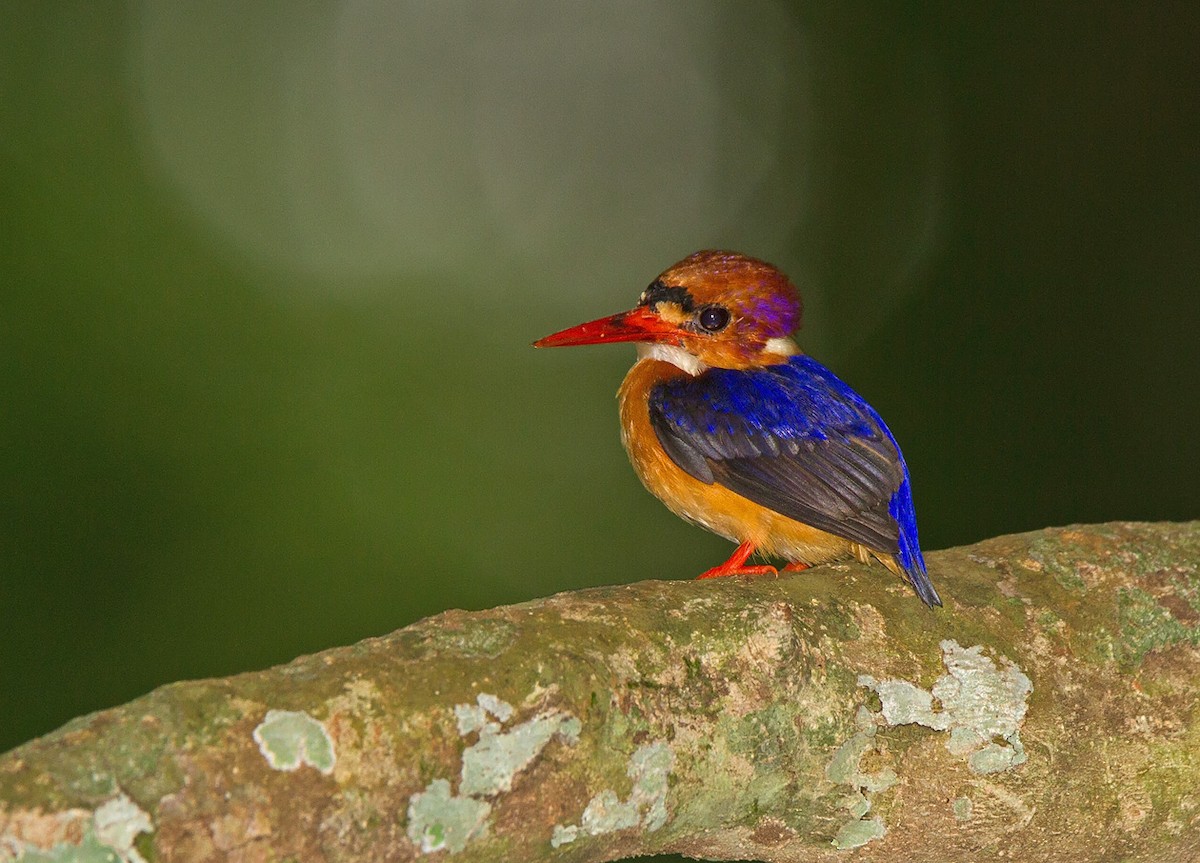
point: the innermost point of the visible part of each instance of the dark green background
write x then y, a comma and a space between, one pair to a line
204, 472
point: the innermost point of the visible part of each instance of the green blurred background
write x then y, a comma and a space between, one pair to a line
270, 272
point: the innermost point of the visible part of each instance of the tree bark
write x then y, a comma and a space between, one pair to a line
1047, 713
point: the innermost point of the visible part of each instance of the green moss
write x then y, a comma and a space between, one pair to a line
134, 748
1145, 626
975, 570
840, 677
144, 845
1057, 558
764, 736
838, 621
769, 741
1069, 579
1171, 546
487, 638
900, 738
825, 733
1172, 774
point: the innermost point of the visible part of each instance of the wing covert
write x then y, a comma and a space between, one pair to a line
790, 437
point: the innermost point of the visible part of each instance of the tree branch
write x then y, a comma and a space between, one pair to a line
1048, 712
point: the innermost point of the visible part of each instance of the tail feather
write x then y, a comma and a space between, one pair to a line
919, 579
910, 559
914, 573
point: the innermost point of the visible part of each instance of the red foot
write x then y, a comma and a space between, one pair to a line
723, 570
735, 565
795, 567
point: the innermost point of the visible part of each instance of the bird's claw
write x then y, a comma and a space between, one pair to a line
721, 571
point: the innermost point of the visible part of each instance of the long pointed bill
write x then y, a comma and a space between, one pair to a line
636, 325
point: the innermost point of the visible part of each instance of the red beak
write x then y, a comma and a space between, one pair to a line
636, 325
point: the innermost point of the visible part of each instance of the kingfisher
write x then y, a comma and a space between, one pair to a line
736, 430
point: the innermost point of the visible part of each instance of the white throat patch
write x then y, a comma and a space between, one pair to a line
672, 354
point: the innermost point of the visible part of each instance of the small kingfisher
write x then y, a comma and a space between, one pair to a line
736, 430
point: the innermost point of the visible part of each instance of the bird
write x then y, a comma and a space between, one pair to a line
735, 429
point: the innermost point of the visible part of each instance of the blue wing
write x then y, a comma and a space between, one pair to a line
794, 438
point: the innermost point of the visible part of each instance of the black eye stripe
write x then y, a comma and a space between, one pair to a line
660, 293
710, 319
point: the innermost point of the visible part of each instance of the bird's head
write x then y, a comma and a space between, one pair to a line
712, 309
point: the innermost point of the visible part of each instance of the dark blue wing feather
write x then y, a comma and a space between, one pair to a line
794, 438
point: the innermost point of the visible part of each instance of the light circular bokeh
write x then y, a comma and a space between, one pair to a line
366, 139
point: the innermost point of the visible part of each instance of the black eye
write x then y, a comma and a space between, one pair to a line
714, 318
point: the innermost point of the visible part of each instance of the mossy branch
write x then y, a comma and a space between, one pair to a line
1048, 712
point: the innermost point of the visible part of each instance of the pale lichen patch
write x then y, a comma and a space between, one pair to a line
487, 711
475, 717
982, 705
490, 765
71, 836
89, 849
845, 769
439, 820
963, 808
996, 758
855, 834
291, 738
498, 707
650, 769
606, 812
563, 835
118, 823
857, 805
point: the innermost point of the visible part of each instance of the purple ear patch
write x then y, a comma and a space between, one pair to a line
777, 311
755, 289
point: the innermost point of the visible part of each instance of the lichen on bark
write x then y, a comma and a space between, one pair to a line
821, 716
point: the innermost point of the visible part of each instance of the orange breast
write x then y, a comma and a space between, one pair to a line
711, 506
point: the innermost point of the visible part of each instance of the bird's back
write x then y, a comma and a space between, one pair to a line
787, 456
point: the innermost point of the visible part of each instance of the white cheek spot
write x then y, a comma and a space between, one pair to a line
672, 354
781, 345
